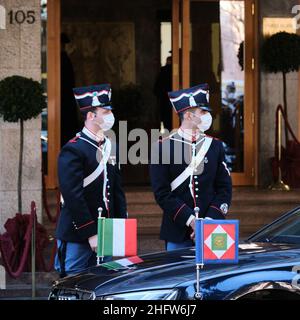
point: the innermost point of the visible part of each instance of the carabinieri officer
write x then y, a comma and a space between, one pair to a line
188, 170
89, 179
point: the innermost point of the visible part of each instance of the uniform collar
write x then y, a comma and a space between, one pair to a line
91, 135
186, 134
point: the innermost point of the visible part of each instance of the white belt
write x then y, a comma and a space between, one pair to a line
190, 169
97, 172
105, 155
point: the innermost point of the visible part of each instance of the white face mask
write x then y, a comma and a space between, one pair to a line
108, 122
206, 121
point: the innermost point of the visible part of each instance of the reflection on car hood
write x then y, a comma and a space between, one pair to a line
169, 269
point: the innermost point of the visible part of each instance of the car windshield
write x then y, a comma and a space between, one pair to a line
284, 230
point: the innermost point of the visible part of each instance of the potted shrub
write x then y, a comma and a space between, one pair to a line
21, 99
281, 53
240, 55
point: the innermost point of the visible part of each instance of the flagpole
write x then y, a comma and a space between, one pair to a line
198, 294
99, 257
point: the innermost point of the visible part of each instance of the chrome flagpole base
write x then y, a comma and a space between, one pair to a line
279, 186
198, 296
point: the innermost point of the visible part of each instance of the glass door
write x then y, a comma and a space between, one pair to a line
219, 37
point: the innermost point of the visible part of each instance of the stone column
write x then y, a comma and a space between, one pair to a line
20, 54
271, 94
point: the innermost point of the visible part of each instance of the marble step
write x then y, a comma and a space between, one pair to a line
22, 286
237, 208
147, 199
149, 221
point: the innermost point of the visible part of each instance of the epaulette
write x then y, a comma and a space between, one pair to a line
74, 140
214, 138
161, 139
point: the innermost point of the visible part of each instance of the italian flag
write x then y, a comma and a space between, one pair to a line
122, 263
117, 237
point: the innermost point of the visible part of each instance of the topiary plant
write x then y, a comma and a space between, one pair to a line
281, 53
240, 55
21, 99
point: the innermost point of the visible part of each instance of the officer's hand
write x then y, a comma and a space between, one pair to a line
192, 225
193, 236
93, 241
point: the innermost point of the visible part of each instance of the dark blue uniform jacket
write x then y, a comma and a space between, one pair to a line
212, 187
79, 213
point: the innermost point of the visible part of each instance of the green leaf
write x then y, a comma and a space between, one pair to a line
20, 98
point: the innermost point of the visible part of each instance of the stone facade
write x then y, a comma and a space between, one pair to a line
20, 54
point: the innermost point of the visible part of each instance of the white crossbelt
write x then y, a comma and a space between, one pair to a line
101, 167
188, 172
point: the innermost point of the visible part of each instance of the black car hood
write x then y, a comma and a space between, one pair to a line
170, 269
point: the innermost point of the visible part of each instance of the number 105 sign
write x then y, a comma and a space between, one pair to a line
20, 16
16, 17
296, 11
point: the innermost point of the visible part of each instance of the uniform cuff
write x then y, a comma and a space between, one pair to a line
88, 230
182, 215
214, 213
190, 219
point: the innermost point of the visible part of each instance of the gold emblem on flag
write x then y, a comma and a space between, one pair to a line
219, 241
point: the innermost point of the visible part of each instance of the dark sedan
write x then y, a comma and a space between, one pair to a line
269, 262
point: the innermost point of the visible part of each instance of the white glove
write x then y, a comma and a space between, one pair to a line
93, 241
192, 225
